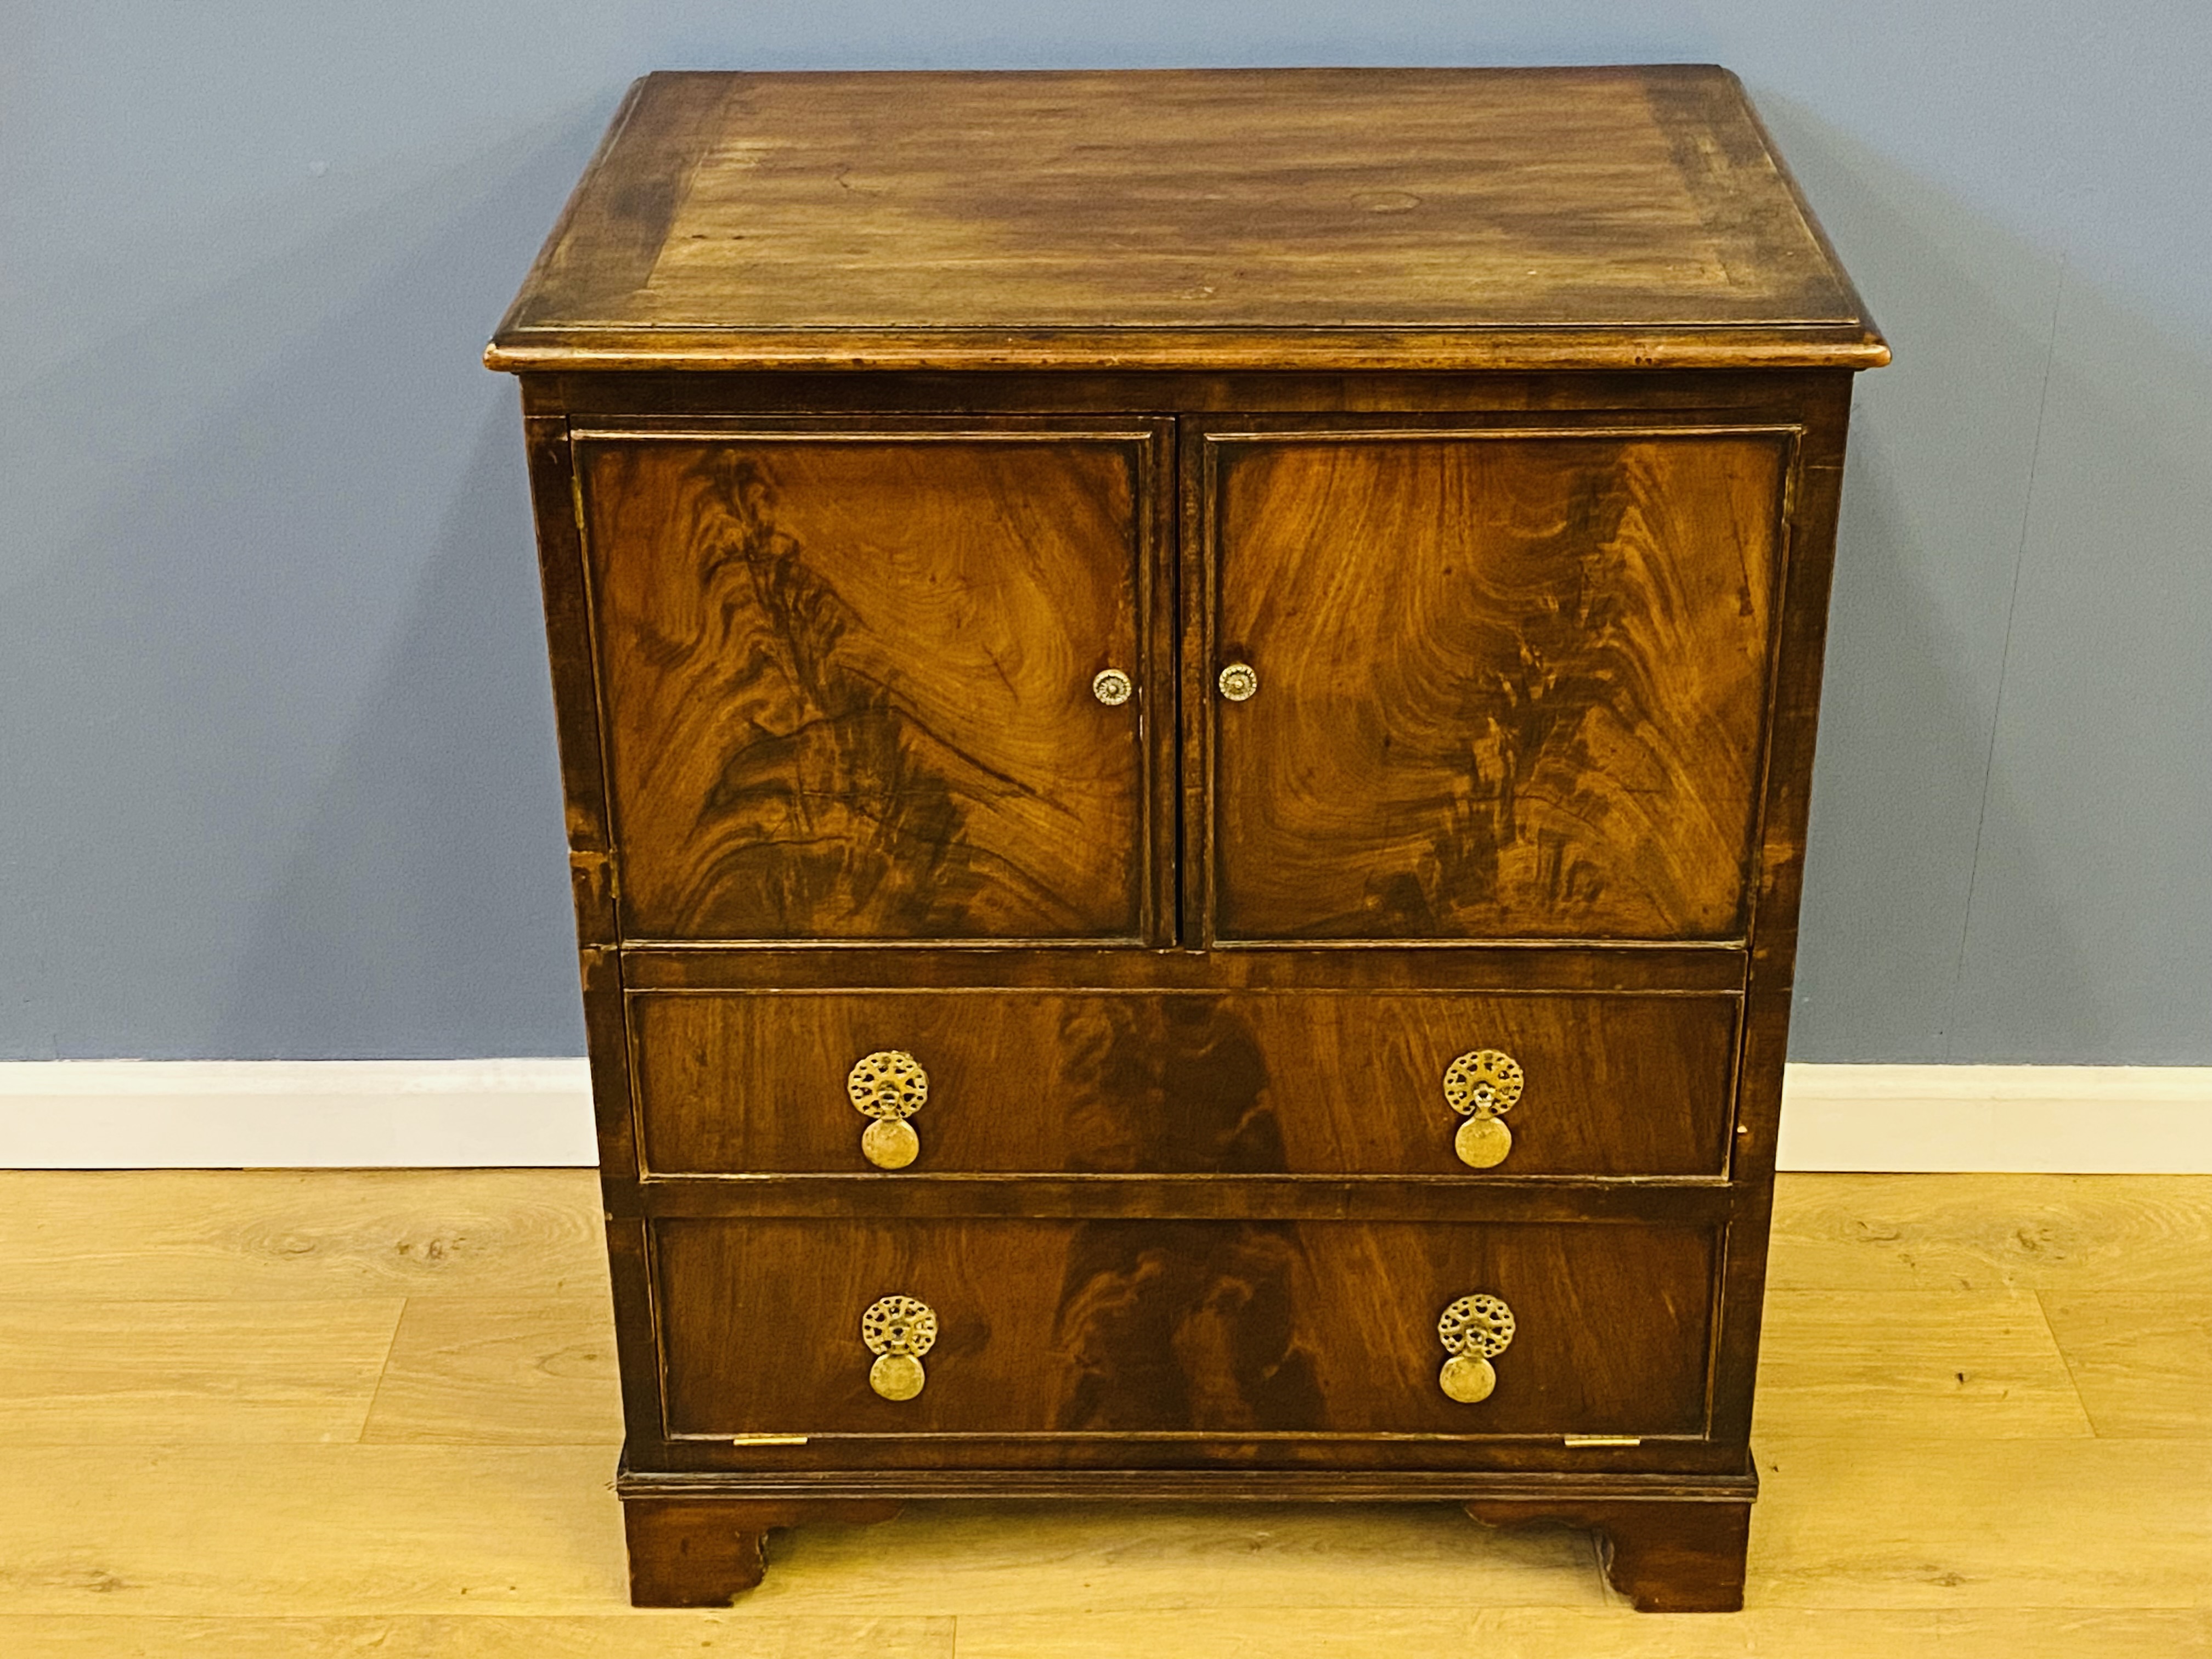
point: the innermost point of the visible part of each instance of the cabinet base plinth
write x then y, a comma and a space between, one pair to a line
1670, 1544
704, 1551
1667, 1556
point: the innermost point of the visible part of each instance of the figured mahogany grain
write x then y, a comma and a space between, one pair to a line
846, 683
1252, 1084
1511, 684
1087, 1328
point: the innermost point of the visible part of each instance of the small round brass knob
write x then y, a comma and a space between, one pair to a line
1482, 1143
889, 1086
1238, 681
1481, 1086
1468, 1378
1474, 1330
1112, 687
898, 1330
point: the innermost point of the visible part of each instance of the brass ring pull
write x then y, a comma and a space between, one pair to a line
898, 1331
1481, 1086
1474, 1330
1238, 682
890, 1086
1112, 687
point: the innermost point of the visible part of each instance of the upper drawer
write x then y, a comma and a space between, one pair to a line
1510, 684
846, 678
1168, 1082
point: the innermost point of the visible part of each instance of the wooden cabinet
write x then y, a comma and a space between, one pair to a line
1186, 704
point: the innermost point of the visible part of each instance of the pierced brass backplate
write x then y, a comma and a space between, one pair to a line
898, 1330
1474, 1330
1481, 1086
890, 1086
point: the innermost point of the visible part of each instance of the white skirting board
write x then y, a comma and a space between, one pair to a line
449, 1113
2059, 1119
295, 1114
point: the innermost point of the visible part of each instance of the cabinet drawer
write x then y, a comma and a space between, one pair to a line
1165, 1083
1197, 1328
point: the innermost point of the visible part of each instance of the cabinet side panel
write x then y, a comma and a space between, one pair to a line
575, 694
583, 783
637, 1340
583, 779
1815, 497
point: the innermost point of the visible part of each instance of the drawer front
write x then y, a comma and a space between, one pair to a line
1506, 684
847, 681
1199, 1328
1187, 1083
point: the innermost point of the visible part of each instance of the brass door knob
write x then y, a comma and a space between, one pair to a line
1112, 687
890, 1086
898, 1330
1474, 1330
1481, 1086
1238, 681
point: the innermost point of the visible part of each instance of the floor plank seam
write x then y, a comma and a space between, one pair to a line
383, 1370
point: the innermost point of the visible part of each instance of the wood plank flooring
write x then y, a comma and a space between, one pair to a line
373, 1412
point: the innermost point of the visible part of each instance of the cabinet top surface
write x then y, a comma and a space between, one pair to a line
1448, 219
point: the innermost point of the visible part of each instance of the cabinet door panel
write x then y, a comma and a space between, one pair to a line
845, 682
1511, 684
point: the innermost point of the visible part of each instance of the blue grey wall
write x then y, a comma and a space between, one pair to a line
275, 758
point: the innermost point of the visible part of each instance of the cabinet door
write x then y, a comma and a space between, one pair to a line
1510, 684
846, 680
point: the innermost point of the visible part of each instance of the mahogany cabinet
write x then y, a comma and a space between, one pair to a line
1186, 701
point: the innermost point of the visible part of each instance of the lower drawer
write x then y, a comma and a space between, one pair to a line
1145, 1328
1297, 1083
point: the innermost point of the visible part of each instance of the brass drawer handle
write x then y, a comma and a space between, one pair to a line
890, 1086
1112, 687
1238, 681
1474, 1330
1481, 1086
898, 1331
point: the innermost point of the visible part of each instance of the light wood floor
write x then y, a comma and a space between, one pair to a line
306, 1414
